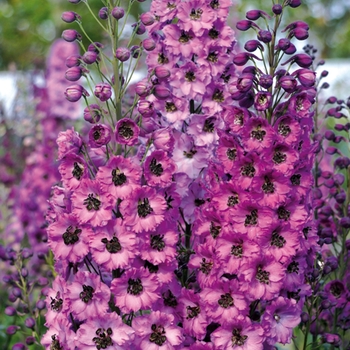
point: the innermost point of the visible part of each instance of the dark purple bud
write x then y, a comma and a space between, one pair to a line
339, 127
325, 86
339, 179
148, 44
140, 28
17, 292
11, 330
74, 73
24, 272
122, 54
283, 44
247, 101
316, 193
306, 77
277, 9
95, 47
73, 61
262, 100
10, 311
325, 304
147, 18
19, 346
245, 24
294, 3
29, 322
70, 16
331, 150
332, 100
242, 58
245, 82
265, 36
92, 113
12, 298
290, 50
333, 339
30, 340
118, 13
161, 92
329, 135
42, 281
304, 317
135, 51
288, 83
142, 88
345, 222
300, 33
27, 253
103, 91
90, 57
103, 13
162, 72
71, 35
340, 197
74, 93
249, 69
303, 60
41, 305
252, 45
329, 183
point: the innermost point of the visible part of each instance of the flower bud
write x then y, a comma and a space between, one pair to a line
24, 272
74, 73
339, 179
345, 222
301, 59
103, 91
304, 317
30, 340
73, 61
300, 33
265, 81
265, 36
75, 92
71, 35
29, 322
244, 25
333, 339
27, 253
17, 292
142, 88
147, 18
339, 127
140, 28
245, 82
145, 108
19, 346
306, 77
10, 311
252, 45
41, 305
103, 13
294, 3
11, 330
331, 150
122, 54
99, 135
277, 9
70, 16
92, 113
95, 47
242, 58
90, 57
161, 92
161, 72
329, 135
340, 197
135, 51
288, 83
148, 44
253, 15
118, 13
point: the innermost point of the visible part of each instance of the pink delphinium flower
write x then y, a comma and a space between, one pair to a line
73, 169
127, 132
157, 331
135, 290
68, 141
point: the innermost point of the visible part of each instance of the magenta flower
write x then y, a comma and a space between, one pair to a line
262, 101
74, 93
143, 209
68, 141
73, 169
127, 132
103, 91
157, 331
136, 290
99, 135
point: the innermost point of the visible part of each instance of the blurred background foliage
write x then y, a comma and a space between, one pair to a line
27, 27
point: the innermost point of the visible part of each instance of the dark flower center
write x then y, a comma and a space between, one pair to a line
214, 230
56, 303
184, 37
248, 170
198, 202
190, 154
143, 208
214, 4
77, 171
283, 214
113, 246
103, 339
226, 301
71, 237
277, 240
126, 131
238, 119
91, 202
268, 186
237, 338
209, 125
293, 267
162, 59
237, 250
306, 231
262, 276
87, 293
134, 286
55, 344
231, 153
295, 179
171, 5
206, 266
212, 57
258, 134
169, 299
189, 76
337, 289
97, 134
192, 311
232, 200
158, 335
279, 157
157, 242
156, 168
151, 268
218, 96
284, 129
252, 218
170, 107
196, 14
276, 317
262, 100
118, 178
213, 33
